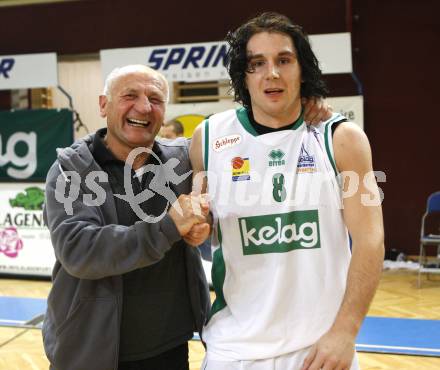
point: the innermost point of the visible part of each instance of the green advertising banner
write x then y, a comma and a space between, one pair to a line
29, 139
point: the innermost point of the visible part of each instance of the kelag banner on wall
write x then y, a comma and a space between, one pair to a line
25, 246
28, 142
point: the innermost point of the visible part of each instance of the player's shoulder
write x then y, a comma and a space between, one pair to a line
349, 132
335, 120
214, 121
351, 147
222, 116
337, 127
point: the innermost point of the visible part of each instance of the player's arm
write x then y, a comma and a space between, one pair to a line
199, 232
363, 218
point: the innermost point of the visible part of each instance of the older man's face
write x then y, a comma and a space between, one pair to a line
135, 111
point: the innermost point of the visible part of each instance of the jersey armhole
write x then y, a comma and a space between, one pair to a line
328, 139
205, 143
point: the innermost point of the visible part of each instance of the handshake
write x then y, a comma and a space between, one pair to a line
190, 214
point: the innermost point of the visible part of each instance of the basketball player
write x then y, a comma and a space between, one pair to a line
290, 293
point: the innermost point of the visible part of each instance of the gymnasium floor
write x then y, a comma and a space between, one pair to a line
21, 349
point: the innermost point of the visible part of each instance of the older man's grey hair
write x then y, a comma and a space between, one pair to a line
133, 68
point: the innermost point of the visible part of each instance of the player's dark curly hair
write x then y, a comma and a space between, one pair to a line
237, 60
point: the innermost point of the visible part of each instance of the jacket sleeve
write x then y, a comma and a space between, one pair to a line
89, 247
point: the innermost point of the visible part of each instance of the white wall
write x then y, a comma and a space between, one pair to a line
83, 82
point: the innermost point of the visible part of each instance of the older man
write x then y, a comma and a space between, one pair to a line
128, 292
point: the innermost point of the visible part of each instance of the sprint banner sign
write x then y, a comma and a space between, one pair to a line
28, 142
25, 246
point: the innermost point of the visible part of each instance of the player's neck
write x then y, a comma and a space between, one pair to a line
278, 120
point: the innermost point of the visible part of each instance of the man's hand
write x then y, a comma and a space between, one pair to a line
198, 234
189, 210
316, 110
333, 351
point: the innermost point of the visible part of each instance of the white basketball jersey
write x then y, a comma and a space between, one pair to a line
280, 247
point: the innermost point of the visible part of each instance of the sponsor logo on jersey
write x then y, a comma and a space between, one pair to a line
280, 233
306, 162
276, 158
226, 142
240, 169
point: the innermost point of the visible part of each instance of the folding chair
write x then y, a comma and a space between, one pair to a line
430, 236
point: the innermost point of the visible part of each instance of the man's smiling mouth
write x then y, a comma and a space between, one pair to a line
137, 122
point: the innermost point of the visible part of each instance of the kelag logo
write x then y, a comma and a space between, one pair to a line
280, 233
6, 65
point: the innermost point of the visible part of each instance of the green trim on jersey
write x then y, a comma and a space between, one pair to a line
206, 144
329, 149
218, 274
243, 117
328, 139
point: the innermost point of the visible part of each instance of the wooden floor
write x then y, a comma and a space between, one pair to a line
397, 297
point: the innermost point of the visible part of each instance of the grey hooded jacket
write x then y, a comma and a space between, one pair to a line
82, 322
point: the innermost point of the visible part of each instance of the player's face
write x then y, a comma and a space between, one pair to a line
274, 85
135, 111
